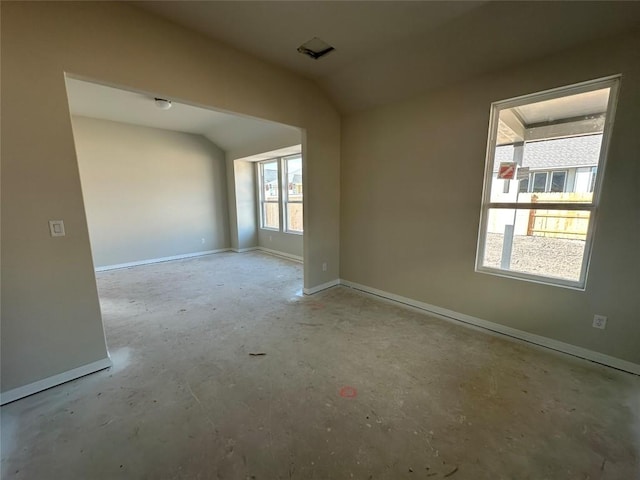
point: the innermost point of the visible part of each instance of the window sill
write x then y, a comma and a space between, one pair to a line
552, 282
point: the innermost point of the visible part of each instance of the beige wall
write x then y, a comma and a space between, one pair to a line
289, 243
150, 193
50, 313
242, 196
412, 175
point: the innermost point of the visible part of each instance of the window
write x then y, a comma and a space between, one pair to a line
293, 200
558, 180
281, 194
542, 231
539, 181
269, 195
524, 185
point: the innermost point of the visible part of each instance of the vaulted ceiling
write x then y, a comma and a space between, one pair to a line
229, 131
389, 50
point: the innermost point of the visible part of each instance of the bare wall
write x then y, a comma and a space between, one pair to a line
50, 313
412, 175
242, 196
150, 193
289, 243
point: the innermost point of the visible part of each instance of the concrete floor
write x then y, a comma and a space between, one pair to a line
350, 387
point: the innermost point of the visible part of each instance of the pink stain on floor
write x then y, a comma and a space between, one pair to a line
348, 392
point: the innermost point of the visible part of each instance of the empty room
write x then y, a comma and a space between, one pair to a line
261, 240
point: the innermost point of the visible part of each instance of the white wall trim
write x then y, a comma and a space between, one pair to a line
45, 383
470, 321
276, 253
319, 288
242, 250
159, 260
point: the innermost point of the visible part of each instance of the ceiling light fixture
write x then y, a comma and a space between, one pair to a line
163, 104
315, 48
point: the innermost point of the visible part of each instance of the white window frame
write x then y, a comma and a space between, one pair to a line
613, 83
283, 194
263, 202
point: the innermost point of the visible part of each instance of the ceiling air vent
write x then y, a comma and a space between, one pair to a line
315, 48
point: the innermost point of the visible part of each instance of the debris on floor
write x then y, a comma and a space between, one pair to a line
257, 354
451, 472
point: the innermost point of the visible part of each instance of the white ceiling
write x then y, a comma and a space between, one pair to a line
563, 108
228, 131
280, 152
389, 50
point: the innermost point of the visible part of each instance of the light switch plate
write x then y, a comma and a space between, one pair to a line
56, 227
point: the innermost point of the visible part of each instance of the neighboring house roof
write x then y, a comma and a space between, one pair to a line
270, 176
570, 152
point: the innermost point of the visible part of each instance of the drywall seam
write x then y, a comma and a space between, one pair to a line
276, 253
324, 286
59, 379
471, 322
159, 260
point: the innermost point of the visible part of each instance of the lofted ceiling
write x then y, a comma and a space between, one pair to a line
390, 50
228, 131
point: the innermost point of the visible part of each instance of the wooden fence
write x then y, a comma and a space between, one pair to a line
571, 224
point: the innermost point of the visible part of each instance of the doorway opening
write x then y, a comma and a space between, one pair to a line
167, 181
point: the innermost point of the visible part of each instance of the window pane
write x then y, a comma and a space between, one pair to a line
558, 180
294, 178
561, 134
539, 182
270, 181
293, 211
270, 215
524, 185
294, 217
547, 243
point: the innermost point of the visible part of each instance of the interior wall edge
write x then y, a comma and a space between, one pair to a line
320, 288
53, 381
277, 253
159, 260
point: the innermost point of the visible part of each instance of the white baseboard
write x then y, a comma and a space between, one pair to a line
45, 383
242, 250
468, 320
319, 288
159, 260
276, 253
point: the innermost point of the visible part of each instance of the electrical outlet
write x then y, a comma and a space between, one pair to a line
324, 266
599, 321
56, 228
